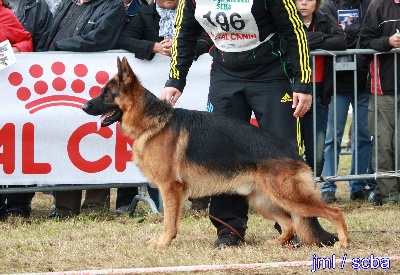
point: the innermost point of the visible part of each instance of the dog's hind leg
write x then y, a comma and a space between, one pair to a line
172, 194
335, 215
304, 205
310, 231
264, 206
294, 192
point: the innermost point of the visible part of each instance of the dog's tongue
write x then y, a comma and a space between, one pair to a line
100, 121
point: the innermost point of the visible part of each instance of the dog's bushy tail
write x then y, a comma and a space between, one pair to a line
291, 188
310, 232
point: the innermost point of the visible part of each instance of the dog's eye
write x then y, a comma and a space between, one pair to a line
106, 94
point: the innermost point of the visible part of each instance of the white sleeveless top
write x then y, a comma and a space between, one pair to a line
229, 23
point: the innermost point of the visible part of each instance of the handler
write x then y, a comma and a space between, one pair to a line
260, 64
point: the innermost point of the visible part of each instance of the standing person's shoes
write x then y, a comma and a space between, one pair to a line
359, 196
376, 199
328, 197
122, 210
61, 213
15, 211
54, 215
94, 209
227, 239
3, 214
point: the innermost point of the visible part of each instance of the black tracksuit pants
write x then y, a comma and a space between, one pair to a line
270, 100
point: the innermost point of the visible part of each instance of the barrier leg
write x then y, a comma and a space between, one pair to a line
142, 197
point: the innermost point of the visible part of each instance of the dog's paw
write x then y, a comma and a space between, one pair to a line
341, 244
158, 243
152, 243
274, 242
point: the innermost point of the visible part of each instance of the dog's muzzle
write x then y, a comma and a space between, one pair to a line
87, 107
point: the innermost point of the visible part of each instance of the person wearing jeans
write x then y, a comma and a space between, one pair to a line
307, 125
323, 32
344, 97
364, 144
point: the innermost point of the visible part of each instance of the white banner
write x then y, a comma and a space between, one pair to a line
46, 138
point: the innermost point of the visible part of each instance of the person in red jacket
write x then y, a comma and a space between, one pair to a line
21, 41
12, 30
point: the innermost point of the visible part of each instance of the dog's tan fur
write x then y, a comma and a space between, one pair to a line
281, 190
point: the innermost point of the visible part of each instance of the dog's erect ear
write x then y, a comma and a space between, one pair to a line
119, 65
124, 70
126, 76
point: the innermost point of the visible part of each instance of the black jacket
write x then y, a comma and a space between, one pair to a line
98, 28
381, 22
346, 83
140, 35
277, 17
325, 33
36, 18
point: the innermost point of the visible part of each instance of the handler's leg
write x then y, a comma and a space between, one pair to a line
226, 97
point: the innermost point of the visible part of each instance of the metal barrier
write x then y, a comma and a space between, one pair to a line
347, 66
351, 67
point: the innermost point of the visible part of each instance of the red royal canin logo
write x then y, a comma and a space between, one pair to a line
59, 85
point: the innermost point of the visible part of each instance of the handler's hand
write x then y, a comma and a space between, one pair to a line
301, 103
394, 40
170, 95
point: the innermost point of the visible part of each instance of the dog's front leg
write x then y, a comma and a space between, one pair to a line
172, 196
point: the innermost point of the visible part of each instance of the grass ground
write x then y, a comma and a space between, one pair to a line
98, 242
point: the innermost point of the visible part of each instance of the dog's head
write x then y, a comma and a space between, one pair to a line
109, 103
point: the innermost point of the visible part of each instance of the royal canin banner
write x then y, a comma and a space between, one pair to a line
46, 138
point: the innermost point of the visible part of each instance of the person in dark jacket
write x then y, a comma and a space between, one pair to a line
125, 195
142, 35
84, 26
34, 15
323, 32
254, 41
53, 5
380, 32
345, 97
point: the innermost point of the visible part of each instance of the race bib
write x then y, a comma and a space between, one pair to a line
229, 23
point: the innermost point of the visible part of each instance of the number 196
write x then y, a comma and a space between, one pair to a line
222, 20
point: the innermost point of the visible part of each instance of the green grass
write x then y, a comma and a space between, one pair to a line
96, 242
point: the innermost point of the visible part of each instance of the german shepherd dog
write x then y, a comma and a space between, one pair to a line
187, 153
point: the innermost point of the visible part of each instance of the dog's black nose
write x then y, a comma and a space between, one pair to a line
87, 106
91, 109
